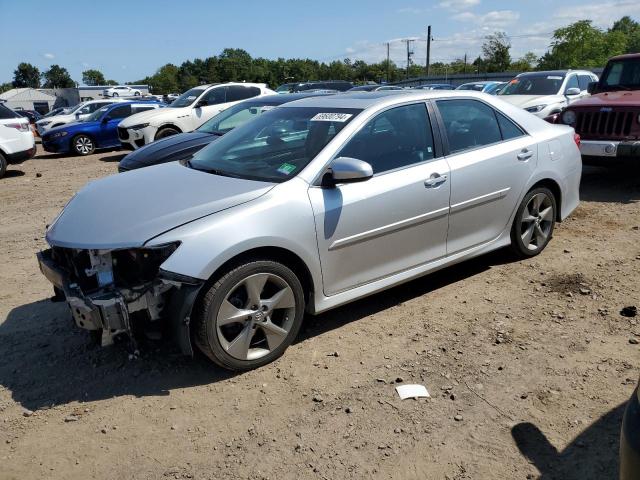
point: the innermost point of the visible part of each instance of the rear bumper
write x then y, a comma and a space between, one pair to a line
19, 157
610, 149
630, 440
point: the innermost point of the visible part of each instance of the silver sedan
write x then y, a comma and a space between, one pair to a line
311, 205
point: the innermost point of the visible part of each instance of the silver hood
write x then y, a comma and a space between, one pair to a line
127, 210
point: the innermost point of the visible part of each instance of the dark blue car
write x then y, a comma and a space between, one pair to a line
98, 130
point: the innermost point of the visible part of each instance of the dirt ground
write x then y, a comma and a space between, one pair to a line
529, 364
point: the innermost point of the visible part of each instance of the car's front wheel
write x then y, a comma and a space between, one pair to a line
136, 94
83, 145
250, 315
3, 165
115, 94
166, 132
534, 222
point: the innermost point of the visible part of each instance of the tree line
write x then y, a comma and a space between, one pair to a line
578, 45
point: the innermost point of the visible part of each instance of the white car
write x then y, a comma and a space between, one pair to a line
547, 93
121, 91
186, 113
79, 112
17, 143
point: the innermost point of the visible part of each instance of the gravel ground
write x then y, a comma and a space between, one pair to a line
529, 364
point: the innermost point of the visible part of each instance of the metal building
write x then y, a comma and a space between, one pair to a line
28, 99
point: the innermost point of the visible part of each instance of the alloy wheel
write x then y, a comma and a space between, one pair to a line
256, 316
536, 221
83, 145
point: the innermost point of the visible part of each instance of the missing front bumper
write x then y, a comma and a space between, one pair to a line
169, 297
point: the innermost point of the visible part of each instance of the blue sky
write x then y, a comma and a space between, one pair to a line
127, 40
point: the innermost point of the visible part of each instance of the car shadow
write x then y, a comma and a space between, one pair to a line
592, 454
614, 184
13, 173
113, 158
46, 360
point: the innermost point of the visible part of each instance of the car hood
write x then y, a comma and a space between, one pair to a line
128, 209
168, 149
526, 101
620, 98
152, 116
70, 127
57, 118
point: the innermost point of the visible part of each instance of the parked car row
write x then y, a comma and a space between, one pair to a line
17, 142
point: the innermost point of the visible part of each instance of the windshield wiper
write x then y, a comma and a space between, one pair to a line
213, 171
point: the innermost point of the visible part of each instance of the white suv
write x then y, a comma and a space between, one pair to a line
79, 112
547, 93
16, 139
121, 91
186, 113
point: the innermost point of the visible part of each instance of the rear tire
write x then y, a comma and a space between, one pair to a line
115, 94
136, 94
250, 315
166, 132
3, 165
534, 222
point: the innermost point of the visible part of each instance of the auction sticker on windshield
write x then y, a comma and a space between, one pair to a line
331, 117
286, 168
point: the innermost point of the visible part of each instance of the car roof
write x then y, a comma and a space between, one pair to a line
628, 56
284, 98
553, 72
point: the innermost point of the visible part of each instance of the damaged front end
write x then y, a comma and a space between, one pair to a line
109, 290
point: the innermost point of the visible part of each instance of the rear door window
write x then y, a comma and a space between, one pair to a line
215, 96
236, 93
7, 113
583, 81
468, 124
120, 111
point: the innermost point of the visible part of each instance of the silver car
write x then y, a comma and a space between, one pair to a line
311, 205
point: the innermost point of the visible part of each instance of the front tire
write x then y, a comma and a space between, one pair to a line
3, 165
83, 145
136, 94
250, 315
166, 132
115, 94
534, 222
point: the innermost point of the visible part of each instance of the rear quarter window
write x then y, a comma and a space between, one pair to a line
7, 113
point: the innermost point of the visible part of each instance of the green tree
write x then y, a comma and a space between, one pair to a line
111, 82
93, 77
234, 64
57, 77
26, 75
495, 52
165, 80
5, 87
525, 64
631, 29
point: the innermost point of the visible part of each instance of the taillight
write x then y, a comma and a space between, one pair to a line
21, 127
576, 138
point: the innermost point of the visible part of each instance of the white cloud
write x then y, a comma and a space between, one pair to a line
491, 20
603, 14
49, 55
458, 5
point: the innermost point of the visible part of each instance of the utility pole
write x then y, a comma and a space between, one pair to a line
465, 63
409, 53
388, 65
428, 48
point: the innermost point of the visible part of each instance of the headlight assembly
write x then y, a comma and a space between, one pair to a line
569, 117
140, 126
58, 134
536, 109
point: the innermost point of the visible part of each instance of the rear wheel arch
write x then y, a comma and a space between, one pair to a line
555, 189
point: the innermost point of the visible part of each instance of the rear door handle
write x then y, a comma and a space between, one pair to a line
525, 154
434, 180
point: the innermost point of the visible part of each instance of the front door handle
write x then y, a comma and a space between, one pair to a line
434, 180
525, 154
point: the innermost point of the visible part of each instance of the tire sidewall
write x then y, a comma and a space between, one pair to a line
3, 165
516, 240
222, 289
76, 151
164, 133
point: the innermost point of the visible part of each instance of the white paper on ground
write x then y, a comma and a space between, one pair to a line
412, 391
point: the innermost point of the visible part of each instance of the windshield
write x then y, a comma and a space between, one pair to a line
234, 117
276, 146
534, 85
95, 116
77, 107
187, 98
478, 87
622, 74
284, 88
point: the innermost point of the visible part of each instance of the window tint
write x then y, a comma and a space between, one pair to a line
508, 128
120, 112
396, 138
142, 108
583, 81
215, 96
7, 113
572, 83
468, 124
236, 93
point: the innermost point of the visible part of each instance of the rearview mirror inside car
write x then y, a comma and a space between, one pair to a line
347, 170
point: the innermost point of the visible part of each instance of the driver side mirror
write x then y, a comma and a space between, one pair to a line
591, 88
572, 92
106, 119
201, 103
347, 170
